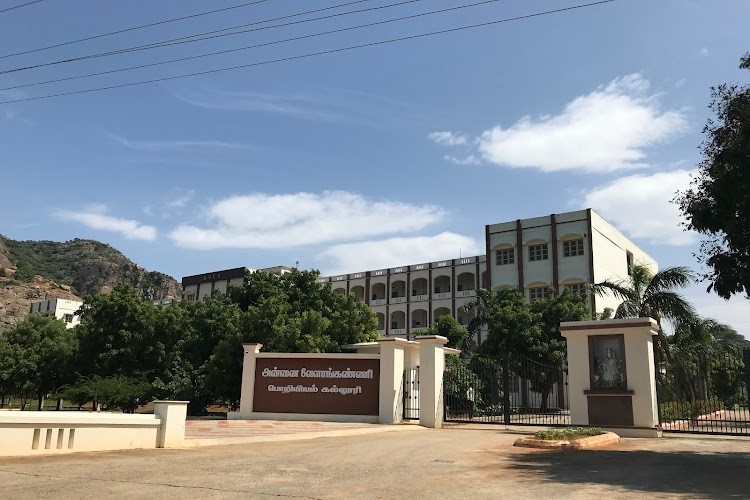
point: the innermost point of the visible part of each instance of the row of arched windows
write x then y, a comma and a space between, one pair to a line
419, 286
419, 319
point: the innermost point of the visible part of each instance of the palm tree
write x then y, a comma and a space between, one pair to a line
648, 295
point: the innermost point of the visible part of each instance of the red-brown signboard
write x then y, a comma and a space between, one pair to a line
334, 386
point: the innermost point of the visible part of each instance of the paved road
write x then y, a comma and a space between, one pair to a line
458, 462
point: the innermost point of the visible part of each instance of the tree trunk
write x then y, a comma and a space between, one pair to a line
40, 403
24, 400
543, 404
59, 404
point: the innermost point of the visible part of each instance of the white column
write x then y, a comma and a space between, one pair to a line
248, 378
431, 368
172, 429
391, 376
637, 334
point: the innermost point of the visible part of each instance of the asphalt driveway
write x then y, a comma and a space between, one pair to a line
457, 462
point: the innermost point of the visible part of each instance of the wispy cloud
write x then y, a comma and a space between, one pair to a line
375, 254
95, 217
703, 51
447, 138
463, 160
176, 145
328, 105
180, 199
295, 105
263, 220
640, 206
8, 112
171, 205
606, 130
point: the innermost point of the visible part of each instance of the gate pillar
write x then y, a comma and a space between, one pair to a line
431, 368
391, 380
611, 375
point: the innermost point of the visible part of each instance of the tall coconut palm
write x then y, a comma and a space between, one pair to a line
645, 294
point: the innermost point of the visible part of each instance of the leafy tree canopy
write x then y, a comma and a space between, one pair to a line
717, 204
36, 356
447, 326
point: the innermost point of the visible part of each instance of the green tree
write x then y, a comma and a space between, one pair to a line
447, 326
717, 204
648, 295
288, 313
121, 335
529, 332
115, 392
41, 351
200, 326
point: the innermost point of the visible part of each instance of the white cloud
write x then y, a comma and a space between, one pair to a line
176, 145
640, 206
680, 83
353, 257
447, 138
96, 217
181, 199
278, 221
703, 51
463, 160
603, 131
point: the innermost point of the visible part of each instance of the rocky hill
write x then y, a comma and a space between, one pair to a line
35, 270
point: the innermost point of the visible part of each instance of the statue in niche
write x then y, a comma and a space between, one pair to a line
608, 367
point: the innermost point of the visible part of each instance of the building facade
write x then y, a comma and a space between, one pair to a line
570, 250
200, 286
410, 298
62, 309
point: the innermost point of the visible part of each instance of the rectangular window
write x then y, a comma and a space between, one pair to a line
505, 256
571, 248
68, 318
537, 293
538, 252
577, 288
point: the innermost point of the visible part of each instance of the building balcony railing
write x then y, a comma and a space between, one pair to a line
398, 300
466, 293
397, 331
377, 302
444, 295
420, 297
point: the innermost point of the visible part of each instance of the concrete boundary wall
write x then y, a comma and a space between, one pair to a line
379, 403
56, 432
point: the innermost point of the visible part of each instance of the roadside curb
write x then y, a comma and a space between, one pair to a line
566, 444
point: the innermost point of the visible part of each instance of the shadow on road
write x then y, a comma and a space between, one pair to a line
711, 475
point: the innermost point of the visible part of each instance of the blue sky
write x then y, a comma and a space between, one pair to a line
376, 157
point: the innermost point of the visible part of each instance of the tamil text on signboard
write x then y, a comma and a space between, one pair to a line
334, 386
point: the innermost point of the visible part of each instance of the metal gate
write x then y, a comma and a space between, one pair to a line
517, 391
411, 393
705, 391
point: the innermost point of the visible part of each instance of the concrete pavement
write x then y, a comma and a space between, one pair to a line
457, 462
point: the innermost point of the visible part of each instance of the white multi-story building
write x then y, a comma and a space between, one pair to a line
569, 250
63, 309
199, 286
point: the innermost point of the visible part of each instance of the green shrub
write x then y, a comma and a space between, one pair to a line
567, 433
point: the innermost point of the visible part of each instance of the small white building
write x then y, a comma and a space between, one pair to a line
63, 309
